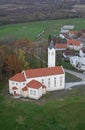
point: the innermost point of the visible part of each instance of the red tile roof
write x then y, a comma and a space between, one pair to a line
34, 84
83, 31
31, 73
73, 32
74, 42
14, 88
43, 86
60, 46
24, 88
18, 78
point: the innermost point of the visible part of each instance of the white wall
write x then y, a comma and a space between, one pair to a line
35, 93
81, 54
24, 94
51, 57
19, 85
52, 87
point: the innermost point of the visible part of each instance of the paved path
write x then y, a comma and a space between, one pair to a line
79, 75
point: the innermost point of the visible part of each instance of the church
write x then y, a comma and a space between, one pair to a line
34, 83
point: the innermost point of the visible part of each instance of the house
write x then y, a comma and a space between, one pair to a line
82, 39
60, 46
74, 44
66, 28
33, 83
78, 62
82, 52
68, 53
73, 33
83, 32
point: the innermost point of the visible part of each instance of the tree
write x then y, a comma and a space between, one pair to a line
4, 50
16, 62
21, 55
13, 64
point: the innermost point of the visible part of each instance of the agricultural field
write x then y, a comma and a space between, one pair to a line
32, 30
59, 110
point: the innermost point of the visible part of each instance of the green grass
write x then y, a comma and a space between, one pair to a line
31, 29
68, 114
71, 78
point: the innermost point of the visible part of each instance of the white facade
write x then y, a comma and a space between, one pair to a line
74, 47
51, 57
18, 85
35, 93
51, 82
69, 27
78, 62
81, 53
33, 83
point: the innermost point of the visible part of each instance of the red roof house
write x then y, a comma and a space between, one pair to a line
74, 44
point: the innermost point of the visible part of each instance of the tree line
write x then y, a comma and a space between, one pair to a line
13, 57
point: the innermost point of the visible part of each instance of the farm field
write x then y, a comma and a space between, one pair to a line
60, 110
32, 29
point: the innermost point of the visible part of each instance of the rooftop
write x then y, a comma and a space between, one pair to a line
31, 73
18, 78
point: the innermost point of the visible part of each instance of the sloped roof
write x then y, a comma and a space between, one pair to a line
18, 78
73, 32
60, 46
83, 30
34, 84
24, 88
74, 42
69, 52
31, 73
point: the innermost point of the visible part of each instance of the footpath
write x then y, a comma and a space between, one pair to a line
77, 74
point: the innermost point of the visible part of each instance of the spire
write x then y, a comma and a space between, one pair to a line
51, 45
51, 55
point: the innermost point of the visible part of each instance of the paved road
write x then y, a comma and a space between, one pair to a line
79, 75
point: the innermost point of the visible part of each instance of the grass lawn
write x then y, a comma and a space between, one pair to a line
71, 78
48, 113
32, 29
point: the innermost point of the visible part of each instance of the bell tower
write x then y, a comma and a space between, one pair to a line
51, 55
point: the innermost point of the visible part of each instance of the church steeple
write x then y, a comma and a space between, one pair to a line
51, 55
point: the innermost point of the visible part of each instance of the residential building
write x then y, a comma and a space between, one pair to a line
74, 44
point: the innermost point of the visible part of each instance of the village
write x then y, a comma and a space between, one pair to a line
33, 83
73, 47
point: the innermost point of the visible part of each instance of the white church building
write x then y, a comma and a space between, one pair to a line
33, 83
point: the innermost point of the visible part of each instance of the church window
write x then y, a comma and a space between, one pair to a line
34, 92
13, 83
48, 82
55, 81
42, 81
61, 80
31, 92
